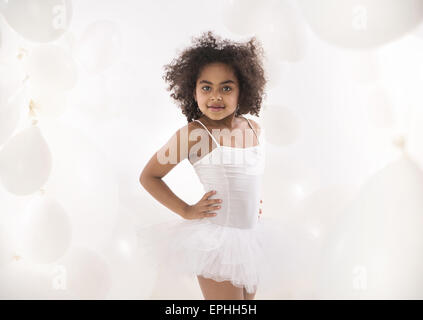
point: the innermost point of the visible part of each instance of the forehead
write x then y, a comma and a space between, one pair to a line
217, 72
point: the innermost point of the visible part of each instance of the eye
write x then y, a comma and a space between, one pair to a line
230, 89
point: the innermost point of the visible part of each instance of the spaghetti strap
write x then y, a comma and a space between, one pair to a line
253, 129
218, 145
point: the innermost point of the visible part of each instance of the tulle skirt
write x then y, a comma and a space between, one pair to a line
248, 258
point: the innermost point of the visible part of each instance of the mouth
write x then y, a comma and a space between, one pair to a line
216, 107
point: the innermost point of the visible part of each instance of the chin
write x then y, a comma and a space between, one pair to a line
221, 114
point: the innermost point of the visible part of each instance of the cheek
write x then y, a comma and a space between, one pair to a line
200, 94
234, 96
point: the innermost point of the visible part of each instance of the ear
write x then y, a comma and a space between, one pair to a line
195, 96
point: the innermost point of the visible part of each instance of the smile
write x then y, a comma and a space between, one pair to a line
216, 108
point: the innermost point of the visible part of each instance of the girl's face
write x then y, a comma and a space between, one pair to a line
217, 86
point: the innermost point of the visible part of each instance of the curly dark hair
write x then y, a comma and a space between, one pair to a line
244, 58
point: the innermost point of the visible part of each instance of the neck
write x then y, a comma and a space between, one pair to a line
227, 122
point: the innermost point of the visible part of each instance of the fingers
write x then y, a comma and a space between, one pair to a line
209, 214
212, 201
209, 208
204, 207
209, 194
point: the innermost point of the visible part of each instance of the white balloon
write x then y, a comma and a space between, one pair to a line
24, 280
319, 210
280, 27
6, 246
51, 104
91, 97
119, 86
9, 42
7, 47
365, 65
51, 68
38, 20
273, 69
375, 250
86, 273
236, 12
286, 183
83, 181
9, 118
315, 217
362, 23
69, 42
300, 253
11, 81
133, 276
276, 23
282, 125
401, 73
25, 162
380, 108
419, 31
99, 46
11, 207
45, 230
414, 139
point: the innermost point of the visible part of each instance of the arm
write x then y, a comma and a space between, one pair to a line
155, 170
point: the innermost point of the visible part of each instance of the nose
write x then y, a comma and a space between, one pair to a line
215, 95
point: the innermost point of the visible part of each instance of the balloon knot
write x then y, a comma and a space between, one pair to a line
22, 52
400, 142
32, 112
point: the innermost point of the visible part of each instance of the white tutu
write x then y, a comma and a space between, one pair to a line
249, 258
235, 245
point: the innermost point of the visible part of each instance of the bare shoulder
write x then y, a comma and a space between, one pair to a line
255, 125
190, 127
193, 125
193, 137
185, 133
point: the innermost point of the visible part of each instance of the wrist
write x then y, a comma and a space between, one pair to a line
184, 210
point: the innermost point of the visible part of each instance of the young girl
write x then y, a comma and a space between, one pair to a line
220, 239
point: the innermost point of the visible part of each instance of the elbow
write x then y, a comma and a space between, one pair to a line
144, 178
